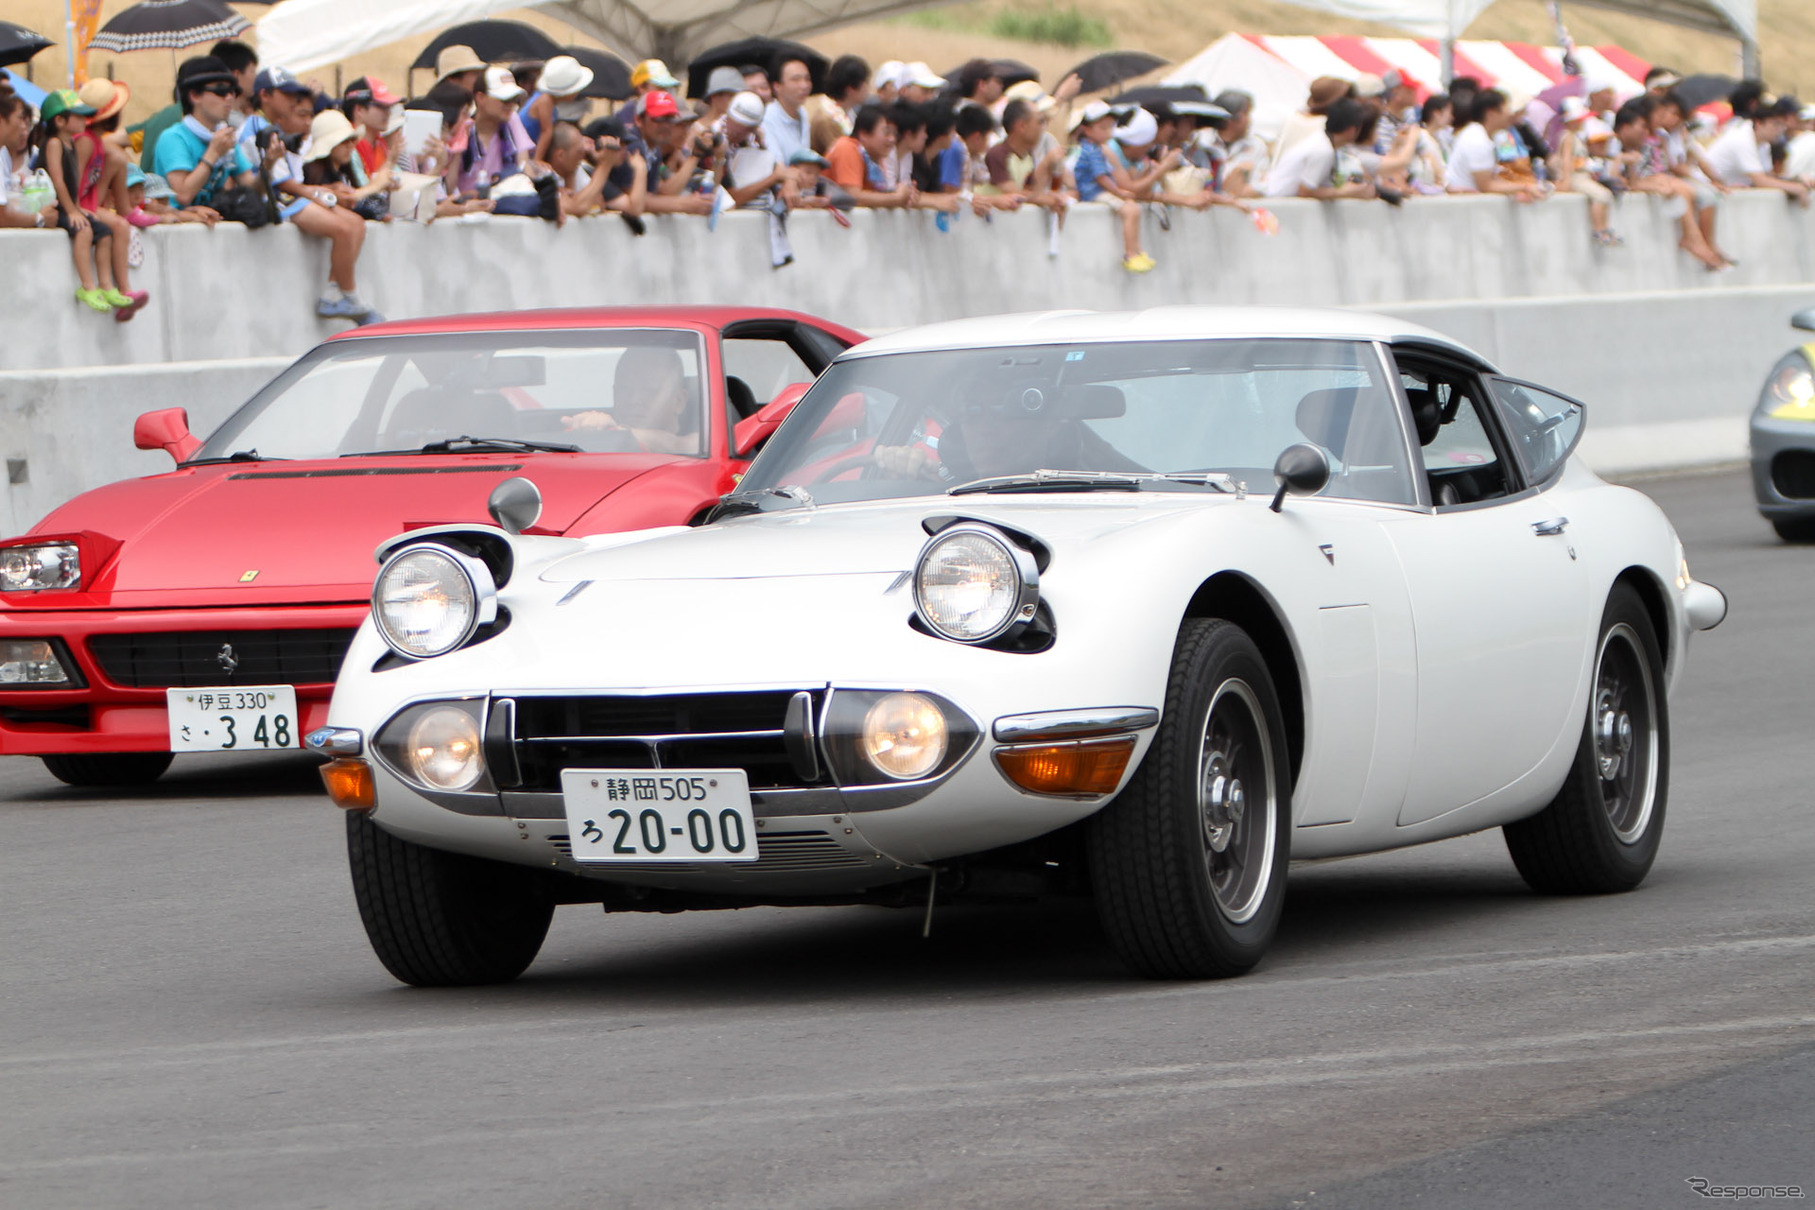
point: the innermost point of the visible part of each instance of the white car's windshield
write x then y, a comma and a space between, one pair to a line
597, 390
913, 424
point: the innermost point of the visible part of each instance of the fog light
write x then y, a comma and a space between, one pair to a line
1089, 768
349, 783
443, 749
904, 736
30, 662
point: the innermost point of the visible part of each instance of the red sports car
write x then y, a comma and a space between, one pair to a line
208, 609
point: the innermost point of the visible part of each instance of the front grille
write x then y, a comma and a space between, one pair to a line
779, 851
188, 658
672, 731
1793, 474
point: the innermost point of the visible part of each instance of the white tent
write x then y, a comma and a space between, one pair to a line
303, 34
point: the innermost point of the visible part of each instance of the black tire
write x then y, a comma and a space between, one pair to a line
1173, 904
440, 919
1600, 834
107, 768
1794, 529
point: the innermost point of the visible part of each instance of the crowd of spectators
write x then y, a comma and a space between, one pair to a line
254, 144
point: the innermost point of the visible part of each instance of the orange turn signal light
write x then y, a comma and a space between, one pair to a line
1080, 768
350, 784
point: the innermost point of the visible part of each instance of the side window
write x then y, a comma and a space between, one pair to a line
1544, 426
765, 366
1463, 463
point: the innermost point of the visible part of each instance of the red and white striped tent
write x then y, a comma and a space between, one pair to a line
1278, 70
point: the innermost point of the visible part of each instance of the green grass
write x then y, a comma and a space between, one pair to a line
1056, 27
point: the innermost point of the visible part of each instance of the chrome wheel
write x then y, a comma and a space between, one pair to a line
1625, 732
1236, 800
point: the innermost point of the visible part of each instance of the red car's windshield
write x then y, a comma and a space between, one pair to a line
605, 390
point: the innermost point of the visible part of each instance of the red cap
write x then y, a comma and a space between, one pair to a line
371, 89
658, 105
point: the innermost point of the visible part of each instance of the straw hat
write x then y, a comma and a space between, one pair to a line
107, 96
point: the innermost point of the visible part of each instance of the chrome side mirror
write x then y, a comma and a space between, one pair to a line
1804, 320
1302, 469
515, 504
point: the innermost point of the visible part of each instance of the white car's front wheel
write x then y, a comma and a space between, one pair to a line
1600, 834
439, 919
1188, 864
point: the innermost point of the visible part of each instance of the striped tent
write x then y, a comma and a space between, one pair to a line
1277, 70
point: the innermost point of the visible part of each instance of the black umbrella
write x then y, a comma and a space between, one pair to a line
493, 41
1010, 71
767, 53
610, 74
1696, 91
1102, 72
169, 25
18, 44
1162, 94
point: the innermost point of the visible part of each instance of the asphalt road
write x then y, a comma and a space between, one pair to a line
190, 1015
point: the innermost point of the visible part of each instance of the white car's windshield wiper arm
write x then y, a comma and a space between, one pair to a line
1088, 481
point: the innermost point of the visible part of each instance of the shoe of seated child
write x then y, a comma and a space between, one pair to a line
94, 300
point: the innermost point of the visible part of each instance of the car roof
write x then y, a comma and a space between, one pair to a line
715, 317
1160, 323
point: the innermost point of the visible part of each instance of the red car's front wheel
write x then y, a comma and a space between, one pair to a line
107, 768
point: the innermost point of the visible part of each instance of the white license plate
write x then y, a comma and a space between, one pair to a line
689, 815
248, 718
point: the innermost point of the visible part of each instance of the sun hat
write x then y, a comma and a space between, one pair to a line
203, 69
455, 59
500, 85
564, 75
1368, 85
369, 90
107, 96
806, 155
329, 130
134, 175
156, 187
1325, 91
653, 71
63, 101
1140, 129
919, 74
1664, 79
746, 109
1031, 92
724, 79
393, 121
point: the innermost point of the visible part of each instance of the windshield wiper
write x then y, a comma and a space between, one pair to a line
235, 456
739, 503
465, 445
1091, 481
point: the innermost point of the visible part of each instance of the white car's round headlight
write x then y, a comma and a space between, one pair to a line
429, 600
904, 735
973, 585
443, 749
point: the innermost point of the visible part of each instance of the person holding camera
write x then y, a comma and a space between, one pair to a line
584, 171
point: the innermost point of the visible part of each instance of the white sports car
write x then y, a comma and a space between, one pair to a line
1132, 605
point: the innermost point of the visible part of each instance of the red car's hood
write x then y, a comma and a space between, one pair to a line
297, 532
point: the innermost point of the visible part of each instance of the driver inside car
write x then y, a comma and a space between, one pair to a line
650, 402
1013, 430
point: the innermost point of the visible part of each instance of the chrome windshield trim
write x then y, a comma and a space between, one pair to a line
1074, 724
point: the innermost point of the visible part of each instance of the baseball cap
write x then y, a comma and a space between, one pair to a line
918, 73
891, 73
1096, 111
500, 85
746, 109
653, 71
1140, 129
806, 155
658, 105
724, 79
281, 79
455, 59
1574, 109
1393, 79
63, 101
1031, 92
369, 90
107, 96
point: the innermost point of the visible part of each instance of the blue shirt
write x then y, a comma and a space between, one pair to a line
1092, 163
181, 148
783, 134
950, 167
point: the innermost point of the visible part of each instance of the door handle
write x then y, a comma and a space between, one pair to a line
1550, 529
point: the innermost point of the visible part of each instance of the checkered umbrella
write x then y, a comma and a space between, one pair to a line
169, 25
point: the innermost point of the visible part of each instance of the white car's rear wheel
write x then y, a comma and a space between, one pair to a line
1601, 832
1189, 862
440, 919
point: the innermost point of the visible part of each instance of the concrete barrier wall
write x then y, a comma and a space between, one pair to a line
1668, 357
232, 293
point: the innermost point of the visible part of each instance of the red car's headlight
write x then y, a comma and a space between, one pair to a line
34, 567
